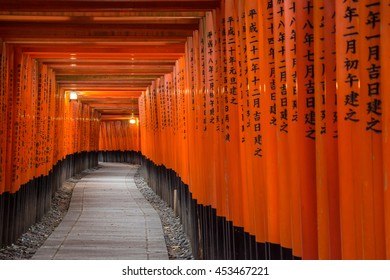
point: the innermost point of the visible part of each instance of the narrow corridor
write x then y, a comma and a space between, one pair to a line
265, 125
108, 218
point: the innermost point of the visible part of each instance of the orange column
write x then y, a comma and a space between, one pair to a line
347, 117
385, 88
211, 86
8, 100
184, 121
306, 127
3, 124
250, 213
231, 117
269, 124
175, 120
360, 128
370, 128
51, 137
253, 119
329, 243
222, 191
197, 105
282, 115
190, 110
291, 45
24, 129
102, 142
204, 164
17, 104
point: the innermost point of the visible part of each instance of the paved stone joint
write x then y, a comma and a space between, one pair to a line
108, 218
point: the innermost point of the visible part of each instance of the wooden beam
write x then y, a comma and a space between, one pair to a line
107, 14
87, 87
134, 64
84, 23
99, 49
90, 19
103, 78
73, 84
97, 34
109, 93
68, 71
80, 5
106, 117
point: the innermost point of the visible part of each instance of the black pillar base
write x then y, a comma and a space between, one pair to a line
22, 209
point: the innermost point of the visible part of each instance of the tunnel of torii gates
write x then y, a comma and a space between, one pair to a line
265, 122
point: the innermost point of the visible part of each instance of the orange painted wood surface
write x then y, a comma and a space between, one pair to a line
302, 166
39, 125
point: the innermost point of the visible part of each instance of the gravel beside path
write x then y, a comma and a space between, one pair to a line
178, 244
26, 246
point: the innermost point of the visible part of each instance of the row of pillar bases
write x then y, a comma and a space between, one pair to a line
211, 236
20, 210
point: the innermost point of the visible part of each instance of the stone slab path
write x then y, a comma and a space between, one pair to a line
108, 218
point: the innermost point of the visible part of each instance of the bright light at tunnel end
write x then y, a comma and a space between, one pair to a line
73, 95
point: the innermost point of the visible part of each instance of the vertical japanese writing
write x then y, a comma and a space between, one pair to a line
320, 71
203, 81
331, 78
38, 121
3, 115
242, 66
210, 69
254, 98
16, 136
170, 91
156, 104
3, 71
291, 60
230, 96
271, 62
183, 102
10, 101
351, 63
372, 36
222, 77
280, 66
24, 116
174, 102
325, 69
308, 57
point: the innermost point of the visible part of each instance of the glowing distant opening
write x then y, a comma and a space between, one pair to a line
73, 95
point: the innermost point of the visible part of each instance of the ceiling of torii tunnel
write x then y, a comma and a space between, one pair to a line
107, 51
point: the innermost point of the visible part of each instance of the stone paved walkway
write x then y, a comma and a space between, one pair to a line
108, 218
